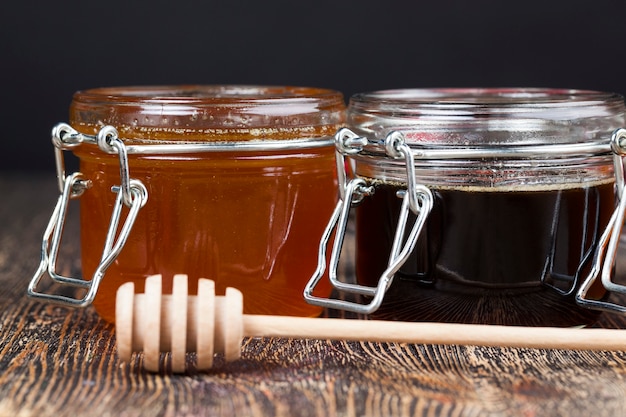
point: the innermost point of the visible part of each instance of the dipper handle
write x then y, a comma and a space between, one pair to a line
209, 324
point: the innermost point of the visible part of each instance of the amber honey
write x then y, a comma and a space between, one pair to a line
245, 219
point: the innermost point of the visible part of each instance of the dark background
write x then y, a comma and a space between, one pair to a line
50, 49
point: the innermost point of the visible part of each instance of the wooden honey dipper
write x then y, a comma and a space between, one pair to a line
209, 324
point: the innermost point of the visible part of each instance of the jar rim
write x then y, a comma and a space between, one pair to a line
492, 98
208, 95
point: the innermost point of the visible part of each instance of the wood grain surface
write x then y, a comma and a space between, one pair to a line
61, 362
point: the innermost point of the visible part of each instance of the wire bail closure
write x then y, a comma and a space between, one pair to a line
604, 258
416, 199
131, 193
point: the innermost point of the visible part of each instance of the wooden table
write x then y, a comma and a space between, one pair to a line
60, 362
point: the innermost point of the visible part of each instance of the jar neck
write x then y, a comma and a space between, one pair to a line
493, 175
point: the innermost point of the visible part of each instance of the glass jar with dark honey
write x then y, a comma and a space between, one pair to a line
486, 206
230, 183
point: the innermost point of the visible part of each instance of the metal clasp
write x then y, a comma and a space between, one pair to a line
131, 193
604, 258
416, 199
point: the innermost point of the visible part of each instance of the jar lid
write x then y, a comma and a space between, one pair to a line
209, 112
483, 116
499, 134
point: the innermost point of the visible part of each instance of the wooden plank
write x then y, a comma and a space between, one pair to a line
60, 362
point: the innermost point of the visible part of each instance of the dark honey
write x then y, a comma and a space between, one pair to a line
511, 257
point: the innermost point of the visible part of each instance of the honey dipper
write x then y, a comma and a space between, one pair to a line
209, 324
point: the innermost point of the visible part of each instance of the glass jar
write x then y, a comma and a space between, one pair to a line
514, 188
239, 181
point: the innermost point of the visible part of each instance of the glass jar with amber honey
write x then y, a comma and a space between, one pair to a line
490, 206
231, 183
